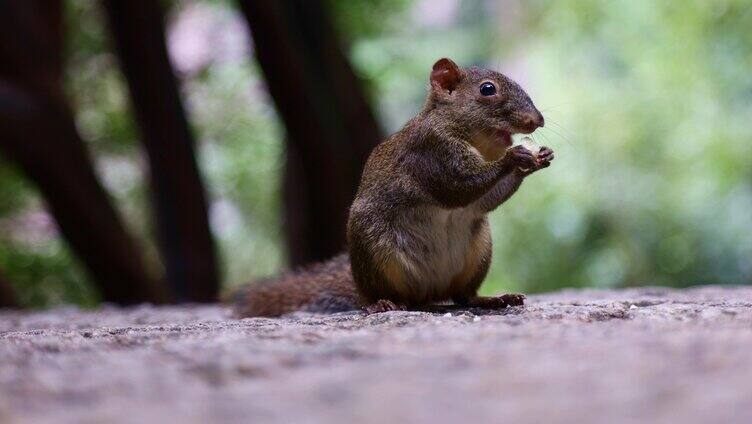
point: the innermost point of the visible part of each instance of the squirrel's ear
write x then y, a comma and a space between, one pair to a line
445, 75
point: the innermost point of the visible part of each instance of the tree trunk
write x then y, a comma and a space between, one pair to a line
183, 227
37, 131
330, 126
7, 295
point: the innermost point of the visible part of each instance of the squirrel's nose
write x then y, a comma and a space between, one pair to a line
532, 120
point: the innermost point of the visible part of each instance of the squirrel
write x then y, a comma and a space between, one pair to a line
417, 232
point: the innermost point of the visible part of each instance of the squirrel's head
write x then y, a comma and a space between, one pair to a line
482, 100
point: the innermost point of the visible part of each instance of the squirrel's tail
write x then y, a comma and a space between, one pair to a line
322, 287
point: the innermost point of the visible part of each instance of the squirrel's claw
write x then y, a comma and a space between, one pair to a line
383, 305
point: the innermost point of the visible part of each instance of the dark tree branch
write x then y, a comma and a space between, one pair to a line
7, 294
185, 239
37, 131
330, 127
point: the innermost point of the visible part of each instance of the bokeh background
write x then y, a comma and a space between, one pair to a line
648, 106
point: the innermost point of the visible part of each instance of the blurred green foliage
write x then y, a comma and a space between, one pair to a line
647, 105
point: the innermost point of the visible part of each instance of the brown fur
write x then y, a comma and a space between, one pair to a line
417, 231
487, 144
326, 286
477, 262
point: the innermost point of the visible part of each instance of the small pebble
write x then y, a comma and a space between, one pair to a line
448, 315
633, 307
476, 319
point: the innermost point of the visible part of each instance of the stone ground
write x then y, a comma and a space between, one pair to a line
640, 355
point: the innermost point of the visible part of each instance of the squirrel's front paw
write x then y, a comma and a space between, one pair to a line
542, 160
544, 157
520, 157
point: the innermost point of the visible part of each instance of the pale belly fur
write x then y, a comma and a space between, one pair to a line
432, 246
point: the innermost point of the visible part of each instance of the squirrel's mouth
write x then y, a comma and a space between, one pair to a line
504, 137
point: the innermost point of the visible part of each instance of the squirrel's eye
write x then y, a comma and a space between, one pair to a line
487, 89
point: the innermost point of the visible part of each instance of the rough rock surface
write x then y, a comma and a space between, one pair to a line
641, 355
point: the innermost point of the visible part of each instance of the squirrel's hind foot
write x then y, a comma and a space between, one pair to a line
383, 305
496, 302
